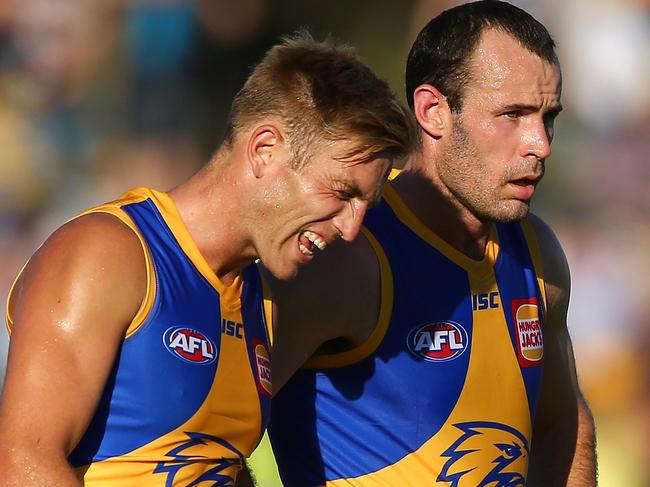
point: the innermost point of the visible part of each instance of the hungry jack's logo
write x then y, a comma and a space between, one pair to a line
263, 368
528, 332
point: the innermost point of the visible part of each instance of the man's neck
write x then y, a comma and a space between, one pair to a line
442, 214
210, 211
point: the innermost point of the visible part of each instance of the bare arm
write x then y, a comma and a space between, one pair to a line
563, 449
330, 307
70, 310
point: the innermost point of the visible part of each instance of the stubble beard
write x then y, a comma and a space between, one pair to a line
468, 180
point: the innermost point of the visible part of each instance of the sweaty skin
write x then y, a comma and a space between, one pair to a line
66, 333
474, 168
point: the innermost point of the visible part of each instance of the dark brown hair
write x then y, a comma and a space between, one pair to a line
441, 53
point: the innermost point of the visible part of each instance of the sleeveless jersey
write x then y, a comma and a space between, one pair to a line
444, 390
188, 397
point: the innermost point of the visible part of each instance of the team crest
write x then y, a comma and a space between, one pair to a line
438, 342
208, 449
487, 454
528, 332
190, 345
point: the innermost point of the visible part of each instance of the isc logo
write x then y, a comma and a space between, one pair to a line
232, 328
438, 342
189, 345
485, 301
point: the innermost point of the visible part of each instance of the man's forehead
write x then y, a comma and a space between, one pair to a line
361, 170
501, 66
364, 177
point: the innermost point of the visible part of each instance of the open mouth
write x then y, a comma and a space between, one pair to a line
309, 241
525, 187
527, 180
524, 181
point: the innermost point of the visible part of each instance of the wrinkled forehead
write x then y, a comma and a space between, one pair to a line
348, 150
362, 179
368, 178
347, 155
501, 66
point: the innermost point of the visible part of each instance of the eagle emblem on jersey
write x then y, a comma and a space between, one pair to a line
487, 454
193, 451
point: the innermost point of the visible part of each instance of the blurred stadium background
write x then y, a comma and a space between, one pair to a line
97, 96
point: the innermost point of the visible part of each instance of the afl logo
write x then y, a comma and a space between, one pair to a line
438, 342
189, 345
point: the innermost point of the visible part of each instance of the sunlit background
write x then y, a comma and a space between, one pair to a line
98, 96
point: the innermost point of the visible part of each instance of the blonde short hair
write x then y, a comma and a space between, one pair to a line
324, 93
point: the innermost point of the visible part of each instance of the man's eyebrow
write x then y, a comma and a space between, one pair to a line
355, 191
554, 110
347, 187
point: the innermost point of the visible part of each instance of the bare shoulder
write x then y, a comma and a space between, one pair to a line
563, 417
89, 258
72, 304
331, 306
554, 262
331, 291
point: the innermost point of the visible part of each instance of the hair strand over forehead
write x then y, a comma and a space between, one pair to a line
322, 92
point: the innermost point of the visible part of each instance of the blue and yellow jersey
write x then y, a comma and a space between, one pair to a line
444, 390
189, 394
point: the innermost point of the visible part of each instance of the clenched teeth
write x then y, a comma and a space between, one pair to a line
304, 249
317, 241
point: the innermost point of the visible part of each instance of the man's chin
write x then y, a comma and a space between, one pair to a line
511, 212
284, 274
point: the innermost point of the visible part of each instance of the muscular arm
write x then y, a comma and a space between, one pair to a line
563, 447
70, 309
330, 307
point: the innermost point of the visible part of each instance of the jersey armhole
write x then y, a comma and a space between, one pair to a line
267, 309
533, 247
363, 350
9, 323
150, 292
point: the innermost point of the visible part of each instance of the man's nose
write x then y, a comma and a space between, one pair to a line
348, 222
538, 141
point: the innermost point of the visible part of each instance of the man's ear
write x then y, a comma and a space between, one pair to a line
266, 146
431, 110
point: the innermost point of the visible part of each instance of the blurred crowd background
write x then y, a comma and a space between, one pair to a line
98, 96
